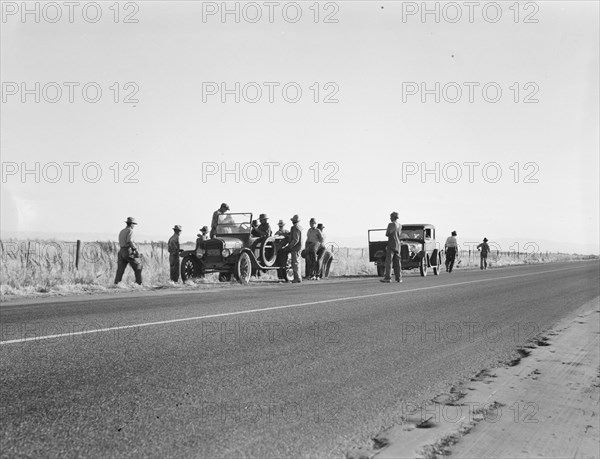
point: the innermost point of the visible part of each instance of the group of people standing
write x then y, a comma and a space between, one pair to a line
451, 248
392, 256
314, 245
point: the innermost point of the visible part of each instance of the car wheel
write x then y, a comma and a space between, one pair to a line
438, 266
243, 268
190, 268
423, 266
326, 264
224, 277
289, 272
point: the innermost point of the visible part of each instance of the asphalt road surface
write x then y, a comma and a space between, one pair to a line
264, 370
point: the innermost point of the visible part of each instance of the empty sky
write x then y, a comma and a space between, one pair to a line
370, 61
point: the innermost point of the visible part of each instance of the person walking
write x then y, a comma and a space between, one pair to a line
128, 253
294, 247
314, 239
392, 250
451, 248
215, 219
173, 247
485, 250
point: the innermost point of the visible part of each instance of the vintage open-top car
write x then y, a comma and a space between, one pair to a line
418, 248
234, 251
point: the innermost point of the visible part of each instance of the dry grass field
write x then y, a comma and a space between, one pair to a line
39, 267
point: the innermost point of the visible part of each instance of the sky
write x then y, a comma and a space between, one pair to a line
384, 109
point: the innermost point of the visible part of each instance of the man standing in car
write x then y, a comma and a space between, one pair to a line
215, 219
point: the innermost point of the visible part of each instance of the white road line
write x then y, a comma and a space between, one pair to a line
274, 308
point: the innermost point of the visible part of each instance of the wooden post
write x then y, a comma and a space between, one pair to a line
27, 254
162, 251
77, 254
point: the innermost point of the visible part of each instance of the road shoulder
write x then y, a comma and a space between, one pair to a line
546, 405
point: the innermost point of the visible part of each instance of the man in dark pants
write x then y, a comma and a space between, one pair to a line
294, 247
451, 249
485, 249
392, 250
174, 250
128, 253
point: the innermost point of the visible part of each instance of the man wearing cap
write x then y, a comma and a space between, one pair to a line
451, 249
215, 219
128, 253
294, 247
485, 249
264, 229
174, 250
392, 250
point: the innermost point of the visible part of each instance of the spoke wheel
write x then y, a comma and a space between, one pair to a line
189, 269
243, 268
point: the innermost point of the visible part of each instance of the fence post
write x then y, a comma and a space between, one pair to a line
77, 254
27, 255
162, 250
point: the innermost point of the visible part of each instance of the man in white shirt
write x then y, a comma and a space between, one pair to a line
451, 248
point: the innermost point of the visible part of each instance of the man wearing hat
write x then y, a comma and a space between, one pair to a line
321, 251
282, 254
485, 249
294, 247
204, 233
174, 250
128, 253
451, 249
281, 231
264, 229
215, 218
392, 250
314, 239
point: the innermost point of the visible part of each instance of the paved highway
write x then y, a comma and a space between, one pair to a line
263, 370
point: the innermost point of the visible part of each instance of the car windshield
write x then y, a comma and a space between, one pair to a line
234, 223
411, 233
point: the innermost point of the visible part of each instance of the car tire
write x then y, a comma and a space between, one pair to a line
423, 266
438, 267
326, 264
190, 268
224, 277
243, 268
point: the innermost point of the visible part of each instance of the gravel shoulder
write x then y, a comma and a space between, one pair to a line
543, 404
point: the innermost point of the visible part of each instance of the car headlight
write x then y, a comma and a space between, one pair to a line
225, 253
